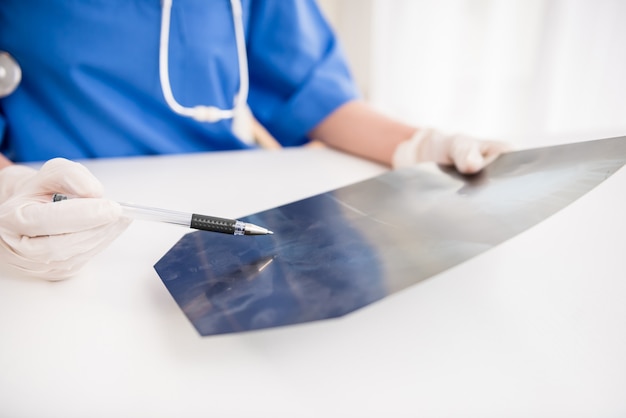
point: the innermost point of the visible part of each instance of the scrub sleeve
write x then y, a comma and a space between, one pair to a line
298, 72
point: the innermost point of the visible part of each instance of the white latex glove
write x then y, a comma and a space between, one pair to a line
469, 155
54, 240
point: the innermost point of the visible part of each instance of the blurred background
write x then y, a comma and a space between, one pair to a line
533, 72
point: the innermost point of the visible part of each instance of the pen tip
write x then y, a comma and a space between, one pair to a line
270, 233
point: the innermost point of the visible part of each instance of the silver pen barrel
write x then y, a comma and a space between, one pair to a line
190, 220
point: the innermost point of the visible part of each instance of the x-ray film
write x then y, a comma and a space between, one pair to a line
338, 251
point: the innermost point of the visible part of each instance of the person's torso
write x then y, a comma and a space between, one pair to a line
90, 77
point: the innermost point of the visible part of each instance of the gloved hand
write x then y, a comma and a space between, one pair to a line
469, 155
54, 240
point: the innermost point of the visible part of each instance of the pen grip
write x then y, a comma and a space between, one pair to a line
215, 224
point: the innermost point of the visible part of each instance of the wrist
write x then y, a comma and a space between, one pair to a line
4, 162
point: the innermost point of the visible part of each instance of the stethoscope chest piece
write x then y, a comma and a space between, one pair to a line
10, 74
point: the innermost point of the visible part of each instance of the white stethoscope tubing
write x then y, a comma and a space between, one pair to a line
204, 113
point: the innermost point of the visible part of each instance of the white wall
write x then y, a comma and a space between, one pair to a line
352, 20
530, 71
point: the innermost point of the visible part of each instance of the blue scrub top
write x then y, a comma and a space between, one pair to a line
90, 75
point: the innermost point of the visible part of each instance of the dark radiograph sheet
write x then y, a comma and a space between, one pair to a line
336, 252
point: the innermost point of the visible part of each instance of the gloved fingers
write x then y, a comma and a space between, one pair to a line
63, 176
466, 155
472, 155
57, 257
62, 247
33, 218
492, 149
54, 239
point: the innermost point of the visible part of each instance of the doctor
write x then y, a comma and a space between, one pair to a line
110, 78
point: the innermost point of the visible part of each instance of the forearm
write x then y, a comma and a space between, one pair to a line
358, 129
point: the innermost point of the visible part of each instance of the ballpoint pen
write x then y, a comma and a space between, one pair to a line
191, 220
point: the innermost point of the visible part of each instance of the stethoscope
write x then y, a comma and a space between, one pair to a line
11, 74
204, 113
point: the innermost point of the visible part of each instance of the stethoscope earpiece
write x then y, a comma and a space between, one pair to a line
10, 74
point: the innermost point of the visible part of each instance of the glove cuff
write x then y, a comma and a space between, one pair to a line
406, 153
11, 178
426, 144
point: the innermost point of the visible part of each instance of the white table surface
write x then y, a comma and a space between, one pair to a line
535, 327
